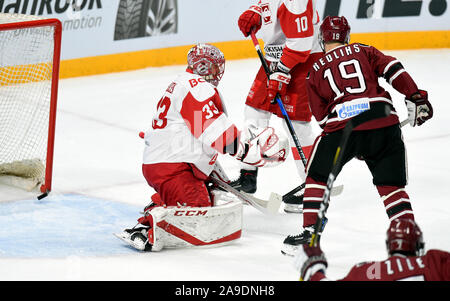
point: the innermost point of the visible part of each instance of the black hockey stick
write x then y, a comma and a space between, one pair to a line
378, 110
334, 191
278, 100
287, 120
283, 112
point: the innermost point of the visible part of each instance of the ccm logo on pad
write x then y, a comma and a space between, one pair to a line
190, 212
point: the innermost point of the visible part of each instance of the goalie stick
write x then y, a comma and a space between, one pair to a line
378, 110
270, 206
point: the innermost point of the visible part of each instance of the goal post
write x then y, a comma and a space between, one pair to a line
30, 50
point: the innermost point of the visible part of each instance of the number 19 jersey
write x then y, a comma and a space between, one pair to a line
344, 83
190, 125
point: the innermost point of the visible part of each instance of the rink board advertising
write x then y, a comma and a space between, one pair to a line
115, 35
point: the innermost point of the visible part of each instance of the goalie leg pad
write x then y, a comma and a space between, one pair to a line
181, 227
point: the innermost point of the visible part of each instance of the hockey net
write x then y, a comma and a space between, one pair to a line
29, 71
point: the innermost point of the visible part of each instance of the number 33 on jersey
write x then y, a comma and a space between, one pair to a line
190, 124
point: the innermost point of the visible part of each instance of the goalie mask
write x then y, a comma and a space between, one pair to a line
207, 61
334, 29
404, 236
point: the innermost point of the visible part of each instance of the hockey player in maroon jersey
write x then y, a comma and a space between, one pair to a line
342, 84
289, 31
189, 130
406, 261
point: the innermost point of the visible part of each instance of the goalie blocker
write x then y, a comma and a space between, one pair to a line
184, 227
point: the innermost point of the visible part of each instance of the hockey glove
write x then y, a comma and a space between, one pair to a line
263, 148
278, 82
419, 108
250, 20
309, 261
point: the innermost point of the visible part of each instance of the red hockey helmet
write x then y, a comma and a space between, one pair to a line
207, 61
404, 236
334, 29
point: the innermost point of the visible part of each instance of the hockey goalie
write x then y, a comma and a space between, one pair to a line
188, 132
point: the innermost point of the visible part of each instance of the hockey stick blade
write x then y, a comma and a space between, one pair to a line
404, 122
336, 190
270, 206
274, 203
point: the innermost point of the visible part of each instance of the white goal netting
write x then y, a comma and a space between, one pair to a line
26, 67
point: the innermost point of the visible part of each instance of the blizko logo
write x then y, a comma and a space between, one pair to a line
144, 18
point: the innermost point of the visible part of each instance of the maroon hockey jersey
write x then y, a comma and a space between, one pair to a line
344, 83
433, 266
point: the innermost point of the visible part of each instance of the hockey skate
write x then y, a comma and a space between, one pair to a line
136, 237
246, 181
292, 243
293, 203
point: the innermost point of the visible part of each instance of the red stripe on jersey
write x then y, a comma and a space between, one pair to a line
228, 137
199, 115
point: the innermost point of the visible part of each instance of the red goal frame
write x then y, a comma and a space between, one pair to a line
47, 185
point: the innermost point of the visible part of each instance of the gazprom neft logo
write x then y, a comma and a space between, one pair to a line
352, 108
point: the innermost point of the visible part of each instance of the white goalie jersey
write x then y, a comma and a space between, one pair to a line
190, 125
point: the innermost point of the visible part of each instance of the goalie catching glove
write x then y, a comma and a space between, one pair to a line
419, 108
263, 148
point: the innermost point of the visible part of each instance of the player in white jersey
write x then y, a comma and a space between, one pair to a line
289, 31
188, 131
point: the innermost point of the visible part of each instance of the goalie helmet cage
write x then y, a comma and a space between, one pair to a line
30, 50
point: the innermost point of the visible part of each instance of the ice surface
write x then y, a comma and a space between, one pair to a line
98, 187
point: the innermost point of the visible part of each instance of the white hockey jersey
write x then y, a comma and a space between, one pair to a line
289, 30
190, 125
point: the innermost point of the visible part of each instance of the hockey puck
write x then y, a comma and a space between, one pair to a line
45, 194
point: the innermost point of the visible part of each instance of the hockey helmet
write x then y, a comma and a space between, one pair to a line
334, 29
207, 61
404, 236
